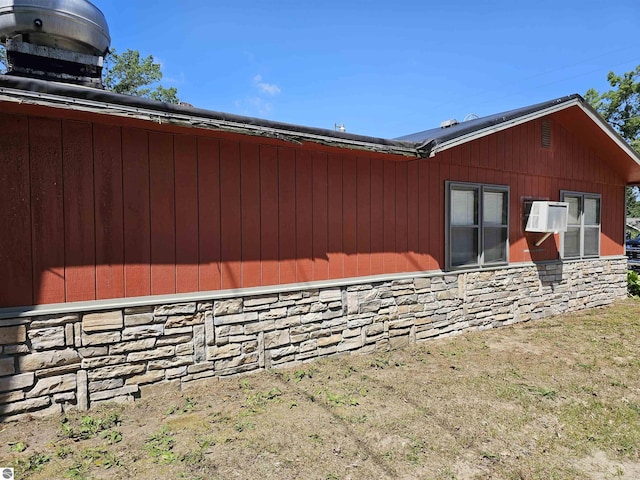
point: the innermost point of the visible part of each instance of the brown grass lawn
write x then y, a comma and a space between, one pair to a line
550, 399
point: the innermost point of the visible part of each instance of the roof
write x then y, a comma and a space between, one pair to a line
573, 111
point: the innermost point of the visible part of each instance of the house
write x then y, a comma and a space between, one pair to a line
144, 242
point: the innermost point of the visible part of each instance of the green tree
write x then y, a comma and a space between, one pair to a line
620, 106
130, 74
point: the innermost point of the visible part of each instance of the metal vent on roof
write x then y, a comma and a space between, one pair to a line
449, 123
63, 40
546, 133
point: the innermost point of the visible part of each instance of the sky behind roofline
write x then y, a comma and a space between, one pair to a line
384, 69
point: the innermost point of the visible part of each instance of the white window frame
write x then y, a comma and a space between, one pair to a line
481, 225
581, 225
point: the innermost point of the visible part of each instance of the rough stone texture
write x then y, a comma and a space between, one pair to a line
103, 321
17, 382
13, 335
51, 363
7, 366
51, 385
52, 358
45, 338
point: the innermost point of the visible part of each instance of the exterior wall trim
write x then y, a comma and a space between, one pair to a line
73, 361
151, 300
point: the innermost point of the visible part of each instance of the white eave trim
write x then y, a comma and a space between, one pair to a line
195, 121
503, 126
532, 116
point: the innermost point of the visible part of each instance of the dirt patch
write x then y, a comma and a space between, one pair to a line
558, 398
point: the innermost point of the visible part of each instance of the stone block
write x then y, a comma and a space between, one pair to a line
97, 362
11, 396
145, 378
14, 349
209, 329
145, 355
48, 372
170, 362
236, 318
68, 334
276, 339
131, 346
52, 358
53, 320
26, 405
51, 385
175, 309
350, 344
297, 310
7, 366
331, 295
102, 321
283, 352
227, 307
185, 349
199, 343
142, 331
273, 313
262, 326
260, 301
287, 322
116, 392
330, 340
249, 361
114, 371
200, 367
82, 391
176, 372
102, 338
371, 306
178, 321
138, 319
224, 351
46, 338
329, 314
64, 397
108, 384
138, 310
174, 339
17, 382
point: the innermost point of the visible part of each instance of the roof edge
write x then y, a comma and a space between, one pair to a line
62, 95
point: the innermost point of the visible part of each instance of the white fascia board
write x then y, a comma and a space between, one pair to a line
160, 117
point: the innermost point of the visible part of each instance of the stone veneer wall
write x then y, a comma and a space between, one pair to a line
55, 362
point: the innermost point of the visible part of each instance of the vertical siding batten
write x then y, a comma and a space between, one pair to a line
17, 282
79, 228
137, 227
47, 214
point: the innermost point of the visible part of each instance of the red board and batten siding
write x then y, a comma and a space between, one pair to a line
93, 210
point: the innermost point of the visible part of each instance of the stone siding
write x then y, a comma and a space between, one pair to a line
52, 363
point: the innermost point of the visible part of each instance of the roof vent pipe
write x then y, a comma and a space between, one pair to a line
63, 40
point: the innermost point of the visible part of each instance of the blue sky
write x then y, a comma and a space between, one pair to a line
382, 68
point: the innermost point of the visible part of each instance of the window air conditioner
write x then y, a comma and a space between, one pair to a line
549, 217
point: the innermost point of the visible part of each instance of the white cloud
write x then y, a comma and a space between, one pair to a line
253, 105
268, 88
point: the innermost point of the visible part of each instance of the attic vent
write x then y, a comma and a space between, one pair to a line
546, 133
449, 123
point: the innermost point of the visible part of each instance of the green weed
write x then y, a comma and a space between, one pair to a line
88, 426
160, 446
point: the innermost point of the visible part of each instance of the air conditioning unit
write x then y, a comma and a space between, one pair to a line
548, 217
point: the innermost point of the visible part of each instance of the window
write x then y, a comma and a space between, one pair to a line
582, 238
477, 232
